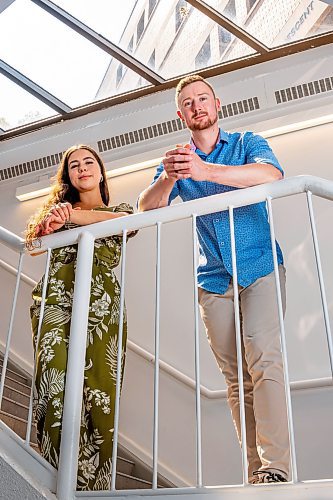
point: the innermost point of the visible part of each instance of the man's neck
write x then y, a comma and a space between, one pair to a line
206, 140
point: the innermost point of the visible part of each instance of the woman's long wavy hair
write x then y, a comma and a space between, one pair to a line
63, 191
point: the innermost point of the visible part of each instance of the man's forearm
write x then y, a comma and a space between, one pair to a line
242, 176
157, 195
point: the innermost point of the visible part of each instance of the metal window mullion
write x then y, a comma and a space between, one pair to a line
321, 279
10, 327
283, 345
197, 357
157, 354
40, 321
238, 346
33, 88
70, 434
119, 362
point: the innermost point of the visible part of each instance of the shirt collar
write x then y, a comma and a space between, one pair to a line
223, 137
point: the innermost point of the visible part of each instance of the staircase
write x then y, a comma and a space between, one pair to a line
132, 473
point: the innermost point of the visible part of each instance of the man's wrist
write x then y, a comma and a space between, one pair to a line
214, 172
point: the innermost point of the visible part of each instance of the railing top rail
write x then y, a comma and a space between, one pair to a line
211, 204
11, 240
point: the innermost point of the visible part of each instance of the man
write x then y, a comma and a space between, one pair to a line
216, 162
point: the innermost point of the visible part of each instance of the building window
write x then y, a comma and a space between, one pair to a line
204, 55
151, 6
140, 27
230, 10
151, 62
120, 71
130, 45
181, 13
250, 4
224, 39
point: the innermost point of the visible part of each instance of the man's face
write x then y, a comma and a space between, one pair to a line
198, 106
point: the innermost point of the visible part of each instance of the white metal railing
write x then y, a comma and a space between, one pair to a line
85, 237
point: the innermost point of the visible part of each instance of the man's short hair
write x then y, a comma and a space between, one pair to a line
187, 81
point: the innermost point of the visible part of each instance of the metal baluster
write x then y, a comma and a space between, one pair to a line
119, 362
10, 327
69, 446
283, 346
157, 353
238, 346
321, 279
40, 321
197, 355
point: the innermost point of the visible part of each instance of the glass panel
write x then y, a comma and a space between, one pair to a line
26, 108
277, 22
51, 54
177, 51
103, 16
118, 79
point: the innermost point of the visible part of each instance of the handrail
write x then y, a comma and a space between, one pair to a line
202, 206
11, 240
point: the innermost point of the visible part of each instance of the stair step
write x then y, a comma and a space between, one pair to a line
14, 408
127, 482
16, 395
13, 373
15, 384
18, 425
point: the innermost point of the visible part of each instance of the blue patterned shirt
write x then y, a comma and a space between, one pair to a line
253, 244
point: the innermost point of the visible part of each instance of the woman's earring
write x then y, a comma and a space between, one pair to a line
101, 179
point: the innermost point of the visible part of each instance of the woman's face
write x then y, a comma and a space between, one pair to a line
84, 171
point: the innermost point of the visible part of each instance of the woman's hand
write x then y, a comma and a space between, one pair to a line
56, 218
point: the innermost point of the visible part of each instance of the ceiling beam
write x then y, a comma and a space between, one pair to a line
226, 67
34, 89
100, 41
4, 4
223, 21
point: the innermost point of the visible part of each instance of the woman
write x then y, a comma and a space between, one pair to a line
80, 196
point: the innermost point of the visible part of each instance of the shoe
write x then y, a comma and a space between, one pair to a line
267, 476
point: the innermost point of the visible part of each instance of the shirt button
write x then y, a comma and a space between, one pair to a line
222, 243
216, 220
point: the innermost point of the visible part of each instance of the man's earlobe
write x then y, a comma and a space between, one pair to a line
180, 115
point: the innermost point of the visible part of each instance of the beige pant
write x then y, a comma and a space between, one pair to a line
265, 404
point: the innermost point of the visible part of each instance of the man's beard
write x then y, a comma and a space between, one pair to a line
203, 124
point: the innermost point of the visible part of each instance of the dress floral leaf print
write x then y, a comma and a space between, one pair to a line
97, 417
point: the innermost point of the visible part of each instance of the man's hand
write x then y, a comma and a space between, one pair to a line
183, 163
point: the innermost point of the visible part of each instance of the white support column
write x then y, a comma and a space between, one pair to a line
157, 353
10, 327
238, 346
283, 346
197, 354
119, 362
69, 447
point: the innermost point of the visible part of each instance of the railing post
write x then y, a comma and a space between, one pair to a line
119, 362
197, 354
40, 322
321, 279
283, 345
10, 327
70, 435
157, 353
238, 346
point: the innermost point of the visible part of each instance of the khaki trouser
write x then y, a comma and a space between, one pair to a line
265, 404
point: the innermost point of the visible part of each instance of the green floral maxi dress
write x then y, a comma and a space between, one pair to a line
96, 433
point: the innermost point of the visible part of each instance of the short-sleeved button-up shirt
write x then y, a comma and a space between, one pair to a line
252, 235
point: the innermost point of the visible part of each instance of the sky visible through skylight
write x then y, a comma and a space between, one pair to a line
54, 56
